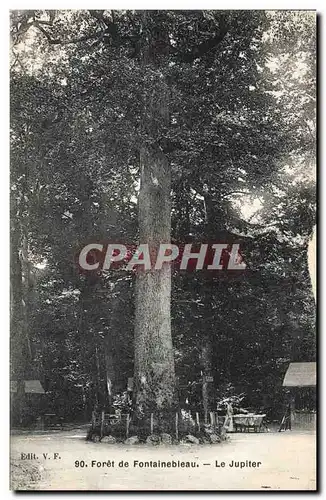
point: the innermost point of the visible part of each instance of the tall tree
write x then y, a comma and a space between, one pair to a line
183, 101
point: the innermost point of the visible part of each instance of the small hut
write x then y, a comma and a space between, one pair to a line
300, 378
33, 401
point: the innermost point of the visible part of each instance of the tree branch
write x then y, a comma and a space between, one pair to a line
224, 195
53, 41
208, 45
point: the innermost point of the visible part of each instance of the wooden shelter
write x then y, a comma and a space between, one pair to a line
30, 387
26, 406
300, 378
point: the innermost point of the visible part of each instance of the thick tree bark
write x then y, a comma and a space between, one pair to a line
206, 370
109, 369
88, 335
21, 284
18, 354
183, 226
154, 374
154, 363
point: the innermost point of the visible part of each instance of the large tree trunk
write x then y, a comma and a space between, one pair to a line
154, 374
18, 354
206, 371
20, 288
154, 362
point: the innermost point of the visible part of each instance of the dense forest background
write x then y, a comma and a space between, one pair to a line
228, 98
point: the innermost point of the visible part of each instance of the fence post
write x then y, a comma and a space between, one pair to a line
176, 426
197, 420
152, 423
93, 420
127, 426
211, 417
102, 423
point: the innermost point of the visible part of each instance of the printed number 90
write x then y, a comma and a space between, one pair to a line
80, 463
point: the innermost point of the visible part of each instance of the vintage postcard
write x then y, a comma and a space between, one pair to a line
163, 237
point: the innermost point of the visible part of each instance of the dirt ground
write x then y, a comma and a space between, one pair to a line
287, 463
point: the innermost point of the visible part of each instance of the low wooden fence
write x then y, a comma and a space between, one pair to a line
174, 423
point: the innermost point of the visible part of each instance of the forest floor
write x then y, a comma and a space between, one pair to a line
288, 462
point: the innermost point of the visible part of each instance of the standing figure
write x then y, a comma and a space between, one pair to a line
228, 423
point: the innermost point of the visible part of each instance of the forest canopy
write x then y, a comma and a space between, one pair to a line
218, 107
